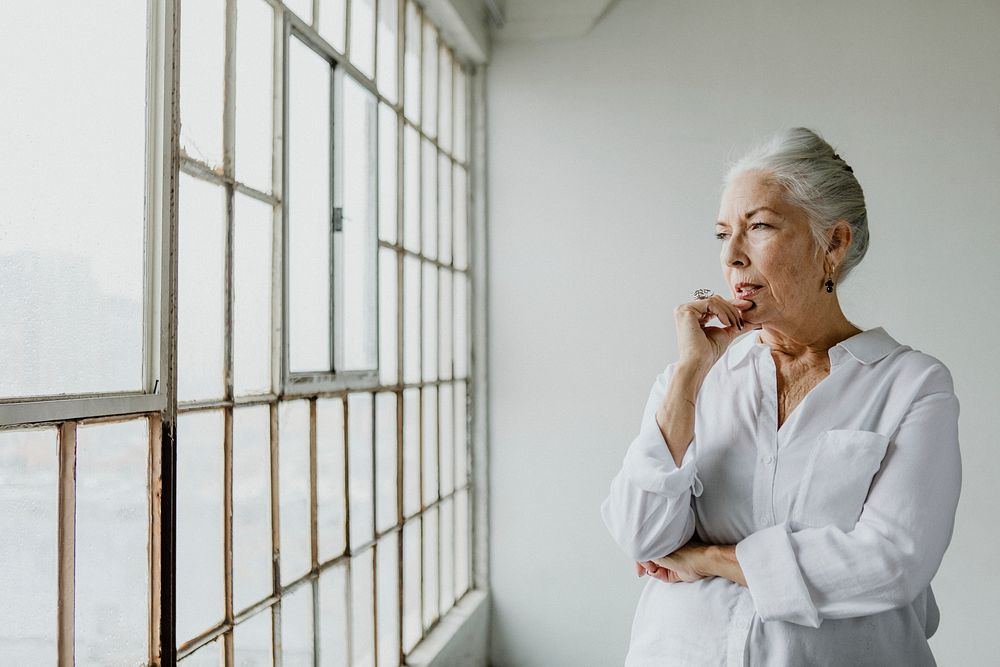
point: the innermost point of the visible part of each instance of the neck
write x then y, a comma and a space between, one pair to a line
809, 336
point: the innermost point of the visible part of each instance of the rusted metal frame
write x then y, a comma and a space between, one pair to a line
374, 488
21, 413
170, 163
398, 257
336, 266
275, 540
65, 637
349, 616
311, 37
414, 253
153, 486
314, 523
198, 169
477, 333
229, 171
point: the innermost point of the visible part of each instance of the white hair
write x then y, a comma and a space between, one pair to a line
816, 180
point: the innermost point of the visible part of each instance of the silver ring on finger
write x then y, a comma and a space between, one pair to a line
702, 293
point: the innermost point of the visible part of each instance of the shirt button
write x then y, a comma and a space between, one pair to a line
765, 520
768, 459
742, 624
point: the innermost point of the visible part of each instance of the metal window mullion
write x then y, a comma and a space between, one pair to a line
347, 29
153, 480
336, 202
275, 540
67, 542
314, 524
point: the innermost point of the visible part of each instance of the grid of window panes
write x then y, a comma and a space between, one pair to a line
331, 524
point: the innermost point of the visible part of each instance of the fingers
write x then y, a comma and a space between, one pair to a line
717, 306
639, 569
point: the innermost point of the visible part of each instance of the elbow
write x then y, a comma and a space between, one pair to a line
648, 540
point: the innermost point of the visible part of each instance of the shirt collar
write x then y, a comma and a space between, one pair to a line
867, 347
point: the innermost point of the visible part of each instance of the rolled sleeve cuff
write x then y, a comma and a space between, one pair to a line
774, 579
649, 465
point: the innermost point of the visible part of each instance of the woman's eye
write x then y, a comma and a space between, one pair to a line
762, 224
721, 236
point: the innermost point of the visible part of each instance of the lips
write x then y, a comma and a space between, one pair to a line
747, 290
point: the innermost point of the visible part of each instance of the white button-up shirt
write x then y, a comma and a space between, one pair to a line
840, 517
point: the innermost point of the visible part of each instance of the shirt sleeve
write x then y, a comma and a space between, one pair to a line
648, 510
893, 552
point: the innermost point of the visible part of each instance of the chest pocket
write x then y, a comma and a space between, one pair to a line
837, 478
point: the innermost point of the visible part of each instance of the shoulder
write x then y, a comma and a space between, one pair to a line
924, 370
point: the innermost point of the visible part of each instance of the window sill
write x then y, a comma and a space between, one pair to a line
461, 637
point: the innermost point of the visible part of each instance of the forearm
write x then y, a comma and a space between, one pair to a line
720, 561
676, 416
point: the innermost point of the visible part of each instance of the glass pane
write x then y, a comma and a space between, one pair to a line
430, 564
388, 158
199, 523
359, 234
333, 21
447, 531
254, 92
203, 44
445, 332
429, 444
362, 610
252, 641
461, 436
461, 348
387, 572
333, 617
29, 516
297, 627
430, 322
209, 655
444, 209
363, 36
252, 236
71, 256
302, 8
428, 198
388, 48
385, 460
201, 290
412, 630
411, 189
112, 543
359, 450
445, 68
430, 75
308, 203
293, 489
411, 451
388, 318
460, 120
463, 540
460, 218
411, 319
251, 505
330, 483
446, 438
411, 63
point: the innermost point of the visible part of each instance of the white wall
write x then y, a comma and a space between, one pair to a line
605, 157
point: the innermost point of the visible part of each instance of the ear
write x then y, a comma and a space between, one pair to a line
838, 241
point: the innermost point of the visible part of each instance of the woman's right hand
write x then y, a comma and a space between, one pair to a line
700, 345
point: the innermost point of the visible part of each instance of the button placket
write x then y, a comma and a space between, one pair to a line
767, 442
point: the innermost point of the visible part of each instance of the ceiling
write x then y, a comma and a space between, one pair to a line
534, 20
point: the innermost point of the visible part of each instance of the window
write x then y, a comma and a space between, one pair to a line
242, 321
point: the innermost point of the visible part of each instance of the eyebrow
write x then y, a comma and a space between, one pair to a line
749, 213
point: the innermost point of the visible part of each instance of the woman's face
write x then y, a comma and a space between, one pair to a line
768, 252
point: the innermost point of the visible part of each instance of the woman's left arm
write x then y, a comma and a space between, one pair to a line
892, 553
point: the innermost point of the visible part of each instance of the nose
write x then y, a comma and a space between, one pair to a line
733, 254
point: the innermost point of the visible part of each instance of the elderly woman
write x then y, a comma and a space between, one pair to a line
793, 485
